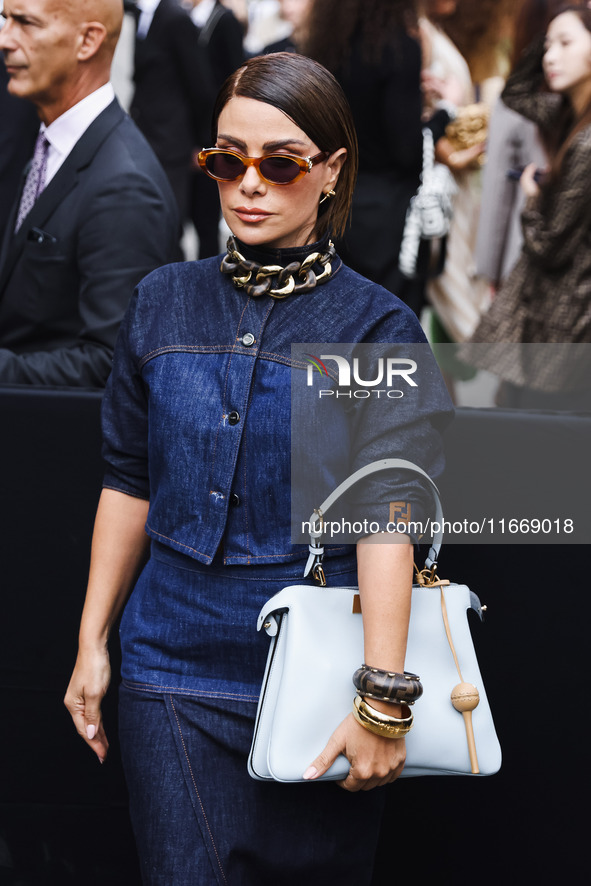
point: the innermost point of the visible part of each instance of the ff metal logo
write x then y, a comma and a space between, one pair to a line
387, 371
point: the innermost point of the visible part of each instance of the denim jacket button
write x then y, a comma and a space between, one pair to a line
248, 339
234, 500
234, 417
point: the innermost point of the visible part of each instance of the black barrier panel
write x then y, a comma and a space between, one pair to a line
517, 477
63, 816
512, 476
525, 824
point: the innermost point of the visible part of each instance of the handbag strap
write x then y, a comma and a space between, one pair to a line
428, 153
411, 234
316, 522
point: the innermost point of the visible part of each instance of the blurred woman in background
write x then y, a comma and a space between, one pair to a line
458, 298
375, 53
547, 297
514, 142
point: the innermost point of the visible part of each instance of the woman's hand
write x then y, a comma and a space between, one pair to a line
119, 550
529, 185
466, 158
88, 685
374, 760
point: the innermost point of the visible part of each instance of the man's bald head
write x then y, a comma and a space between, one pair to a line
109, 13
59, 51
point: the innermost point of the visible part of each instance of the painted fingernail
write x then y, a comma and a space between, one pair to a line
90, 731
311, 772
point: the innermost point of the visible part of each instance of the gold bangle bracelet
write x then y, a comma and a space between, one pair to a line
387, 719
381, 724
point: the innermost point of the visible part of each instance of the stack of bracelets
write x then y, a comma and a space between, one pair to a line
403, 689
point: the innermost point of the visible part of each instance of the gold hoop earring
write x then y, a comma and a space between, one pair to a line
327, 196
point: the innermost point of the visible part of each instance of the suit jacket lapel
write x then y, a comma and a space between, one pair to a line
9, 230
61, 184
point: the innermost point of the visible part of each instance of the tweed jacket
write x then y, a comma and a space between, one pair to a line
547, 298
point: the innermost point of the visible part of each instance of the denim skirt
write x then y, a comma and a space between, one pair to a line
187, 705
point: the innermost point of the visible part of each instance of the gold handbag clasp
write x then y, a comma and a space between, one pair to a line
318, 575
428, 578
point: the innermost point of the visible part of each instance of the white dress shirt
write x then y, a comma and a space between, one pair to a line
147, 9
66, 130
200, 13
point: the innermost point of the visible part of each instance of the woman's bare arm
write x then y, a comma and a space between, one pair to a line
119, 550
385, 587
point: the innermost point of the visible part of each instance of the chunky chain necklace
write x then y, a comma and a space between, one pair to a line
275, 280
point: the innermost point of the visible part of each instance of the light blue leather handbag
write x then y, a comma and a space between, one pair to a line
317, 644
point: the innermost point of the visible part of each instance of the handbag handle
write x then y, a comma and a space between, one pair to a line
314, 563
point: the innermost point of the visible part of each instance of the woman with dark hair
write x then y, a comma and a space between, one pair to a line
375, 54
547, 297
197, 434
513, 143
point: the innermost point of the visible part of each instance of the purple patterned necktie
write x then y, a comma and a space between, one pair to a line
35, 179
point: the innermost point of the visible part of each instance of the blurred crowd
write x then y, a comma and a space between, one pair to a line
417, 73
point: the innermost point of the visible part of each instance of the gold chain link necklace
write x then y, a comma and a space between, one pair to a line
276, 280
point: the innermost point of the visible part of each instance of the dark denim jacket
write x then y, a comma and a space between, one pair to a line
196, 415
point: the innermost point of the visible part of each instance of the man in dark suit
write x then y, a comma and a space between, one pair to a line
18, 132
221, 39
173, 88
95, 213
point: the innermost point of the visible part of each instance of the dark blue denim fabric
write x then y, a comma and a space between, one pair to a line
190, 627
196, 417
200, 820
